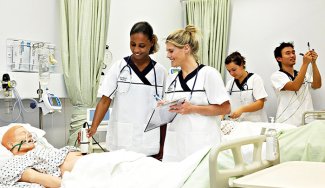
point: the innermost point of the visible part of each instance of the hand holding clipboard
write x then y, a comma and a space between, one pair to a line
163, 114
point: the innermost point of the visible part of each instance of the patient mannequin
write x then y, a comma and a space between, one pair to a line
19, 141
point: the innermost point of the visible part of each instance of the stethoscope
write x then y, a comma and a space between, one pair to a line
243, 87
123, 79
292, 100
243, 98
175, 81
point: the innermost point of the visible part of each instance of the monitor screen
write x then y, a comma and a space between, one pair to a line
54, 101
91, 114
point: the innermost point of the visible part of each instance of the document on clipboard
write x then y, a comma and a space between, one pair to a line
161, 115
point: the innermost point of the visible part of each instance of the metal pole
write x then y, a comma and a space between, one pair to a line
40, 112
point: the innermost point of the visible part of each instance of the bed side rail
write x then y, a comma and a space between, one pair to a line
219, 178
315, 114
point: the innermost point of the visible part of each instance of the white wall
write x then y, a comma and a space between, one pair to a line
257, 27
164, 16
36, 20
39, 20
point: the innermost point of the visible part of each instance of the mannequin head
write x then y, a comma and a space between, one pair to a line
18, 140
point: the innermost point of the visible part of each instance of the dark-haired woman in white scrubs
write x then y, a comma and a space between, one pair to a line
130, 85
246, 90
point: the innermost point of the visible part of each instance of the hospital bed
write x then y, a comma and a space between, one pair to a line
297, 174
219, 178
231, 159
319, 115
305, 143
127, 168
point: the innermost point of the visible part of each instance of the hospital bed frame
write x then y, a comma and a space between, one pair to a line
219, 178
315, 114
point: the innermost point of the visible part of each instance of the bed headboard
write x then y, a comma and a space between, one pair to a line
219, 178
313, 114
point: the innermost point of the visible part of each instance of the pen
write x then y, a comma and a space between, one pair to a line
301, 54
157, 98
308, 46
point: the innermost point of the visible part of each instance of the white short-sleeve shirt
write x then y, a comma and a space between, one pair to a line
249, 91
291, 104
133, 98
190, 132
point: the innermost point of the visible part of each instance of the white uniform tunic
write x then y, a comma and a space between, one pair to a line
191, 132
249, 91
133, 103
291, 104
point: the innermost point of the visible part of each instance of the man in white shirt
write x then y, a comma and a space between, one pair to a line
291, 86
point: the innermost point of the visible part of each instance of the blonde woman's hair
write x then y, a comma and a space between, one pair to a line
181, 37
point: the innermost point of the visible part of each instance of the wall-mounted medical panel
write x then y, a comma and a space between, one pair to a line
24, 55
27, 84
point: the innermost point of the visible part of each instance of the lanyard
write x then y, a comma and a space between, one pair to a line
128, 63
179, 75
241, 85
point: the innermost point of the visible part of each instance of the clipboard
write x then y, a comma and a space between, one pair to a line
161, 115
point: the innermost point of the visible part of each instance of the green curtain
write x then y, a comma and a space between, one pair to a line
212, 18
84, 25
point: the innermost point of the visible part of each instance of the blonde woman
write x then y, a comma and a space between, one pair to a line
196, 123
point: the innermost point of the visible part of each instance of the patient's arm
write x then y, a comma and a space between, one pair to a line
32, 176
70, 161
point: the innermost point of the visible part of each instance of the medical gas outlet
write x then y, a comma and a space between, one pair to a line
7, 85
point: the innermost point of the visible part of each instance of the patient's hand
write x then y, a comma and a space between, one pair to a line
70, 161
33, 176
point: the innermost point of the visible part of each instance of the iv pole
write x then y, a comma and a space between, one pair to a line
40, 112
48, 102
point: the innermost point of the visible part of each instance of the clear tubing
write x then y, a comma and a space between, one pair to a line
20, 107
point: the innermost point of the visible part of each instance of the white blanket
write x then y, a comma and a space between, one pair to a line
247, 128
125, 169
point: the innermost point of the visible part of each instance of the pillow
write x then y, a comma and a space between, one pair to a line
4, 153
40, 133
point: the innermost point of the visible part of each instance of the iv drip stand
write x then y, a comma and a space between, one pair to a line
40, 112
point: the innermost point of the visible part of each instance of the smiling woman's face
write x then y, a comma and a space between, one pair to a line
175, 54
140, 46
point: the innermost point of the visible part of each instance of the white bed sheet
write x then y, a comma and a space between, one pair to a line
128, 169
247, 128
125, 169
